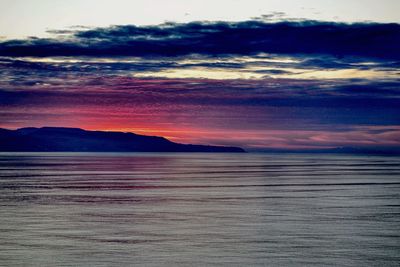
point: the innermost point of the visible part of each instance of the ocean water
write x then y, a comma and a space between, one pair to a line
177, 209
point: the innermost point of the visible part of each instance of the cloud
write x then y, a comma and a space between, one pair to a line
369, 40
268, 113
299, 102
257, 83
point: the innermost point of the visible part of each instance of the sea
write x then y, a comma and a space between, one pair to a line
199, 209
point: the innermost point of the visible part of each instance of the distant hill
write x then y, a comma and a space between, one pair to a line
58, 139
340, 150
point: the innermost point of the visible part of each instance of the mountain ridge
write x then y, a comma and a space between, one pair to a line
63, 139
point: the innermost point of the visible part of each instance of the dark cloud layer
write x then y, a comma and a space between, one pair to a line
321, 102
218, 38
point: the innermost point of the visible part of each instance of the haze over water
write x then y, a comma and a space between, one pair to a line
171, 209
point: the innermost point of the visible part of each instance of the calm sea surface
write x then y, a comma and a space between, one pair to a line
177, 209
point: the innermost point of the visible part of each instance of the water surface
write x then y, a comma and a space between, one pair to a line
178, 209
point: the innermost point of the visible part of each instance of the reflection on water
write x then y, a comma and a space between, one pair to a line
82, 209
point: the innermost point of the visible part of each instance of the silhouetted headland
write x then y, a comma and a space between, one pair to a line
59, 139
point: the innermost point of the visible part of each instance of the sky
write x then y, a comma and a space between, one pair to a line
257, 74
24, 18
